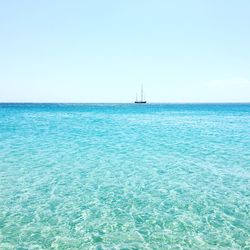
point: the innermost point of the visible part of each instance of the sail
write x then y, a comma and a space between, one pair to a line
142, 97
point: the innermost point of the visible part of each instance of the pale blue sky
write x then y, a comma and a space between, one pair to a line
101, 51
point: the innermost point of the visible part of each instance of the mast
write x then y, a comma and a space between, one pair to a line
142, 93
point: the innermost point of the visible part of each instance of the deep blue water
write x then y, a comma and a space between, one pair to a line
124, 176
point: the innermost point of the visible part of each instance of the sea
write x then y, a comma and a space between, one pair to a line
124, 176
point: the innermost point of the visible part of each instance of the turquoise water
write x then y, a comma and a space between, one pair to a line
124, 176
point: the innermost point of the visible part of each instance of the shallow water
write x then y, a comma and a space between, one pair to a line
124, 176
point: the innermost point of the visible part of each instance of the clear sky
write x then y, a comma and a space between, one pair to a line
101, 51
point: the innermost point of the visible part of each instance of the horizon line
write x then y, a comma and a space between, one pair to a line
124, 103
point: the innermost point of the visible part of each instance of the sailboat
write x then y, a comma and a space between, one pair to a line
142, 99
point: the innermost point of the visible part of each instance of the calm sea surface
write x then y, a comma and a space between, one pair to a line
123, 176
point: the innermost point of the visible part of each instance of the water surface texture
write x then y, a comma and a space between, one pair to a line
124, 176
